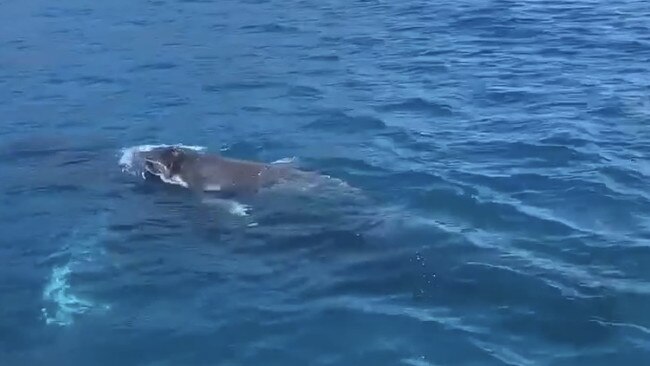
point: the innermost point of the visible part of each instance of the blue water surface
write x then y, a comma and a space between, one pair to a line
500, 150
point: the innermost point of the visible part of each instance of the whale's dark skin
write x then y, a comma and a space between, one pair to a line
210, 172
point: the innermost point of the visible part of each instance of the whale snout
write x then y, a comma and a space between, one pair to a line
151, 166
156, 167
152, 161
164, 161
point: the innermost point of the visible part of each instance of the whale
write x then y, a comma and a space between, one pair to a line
209, 172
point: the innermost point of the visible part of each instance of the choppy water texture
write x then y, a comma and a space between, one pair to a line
501, 149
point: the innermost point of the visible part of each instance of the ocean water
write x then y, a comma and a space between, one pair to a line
498, 150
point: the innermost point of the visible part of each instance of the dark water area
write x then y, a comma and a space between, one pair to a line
500, 150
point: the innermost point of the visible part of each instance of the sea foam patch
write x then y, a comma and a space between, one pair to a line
82, 251
65, 303
233, 207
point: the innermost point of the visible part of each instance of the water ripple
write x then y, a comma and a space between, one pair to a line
419, 105
337, 121
498, 153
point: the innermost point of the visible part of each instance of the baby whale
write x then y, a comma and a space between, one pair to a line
210, 172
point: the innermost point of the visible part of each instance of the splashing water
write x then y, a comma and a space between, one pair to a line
66, 303
82, 249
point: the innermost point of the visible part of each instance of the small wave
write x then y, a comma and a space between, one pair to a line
503, 354
511, 96
304, 91
269, 28
418, 105
158, 66
341, 122
324, 57
346, 163
495, 212
242, 85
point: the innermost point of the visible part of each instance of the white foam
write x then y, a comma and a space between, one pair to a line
67, 303
81, 251
288, 160
238, 209
233, 207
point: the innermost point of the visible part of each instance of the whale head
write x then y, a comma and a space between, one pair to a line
165, 162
